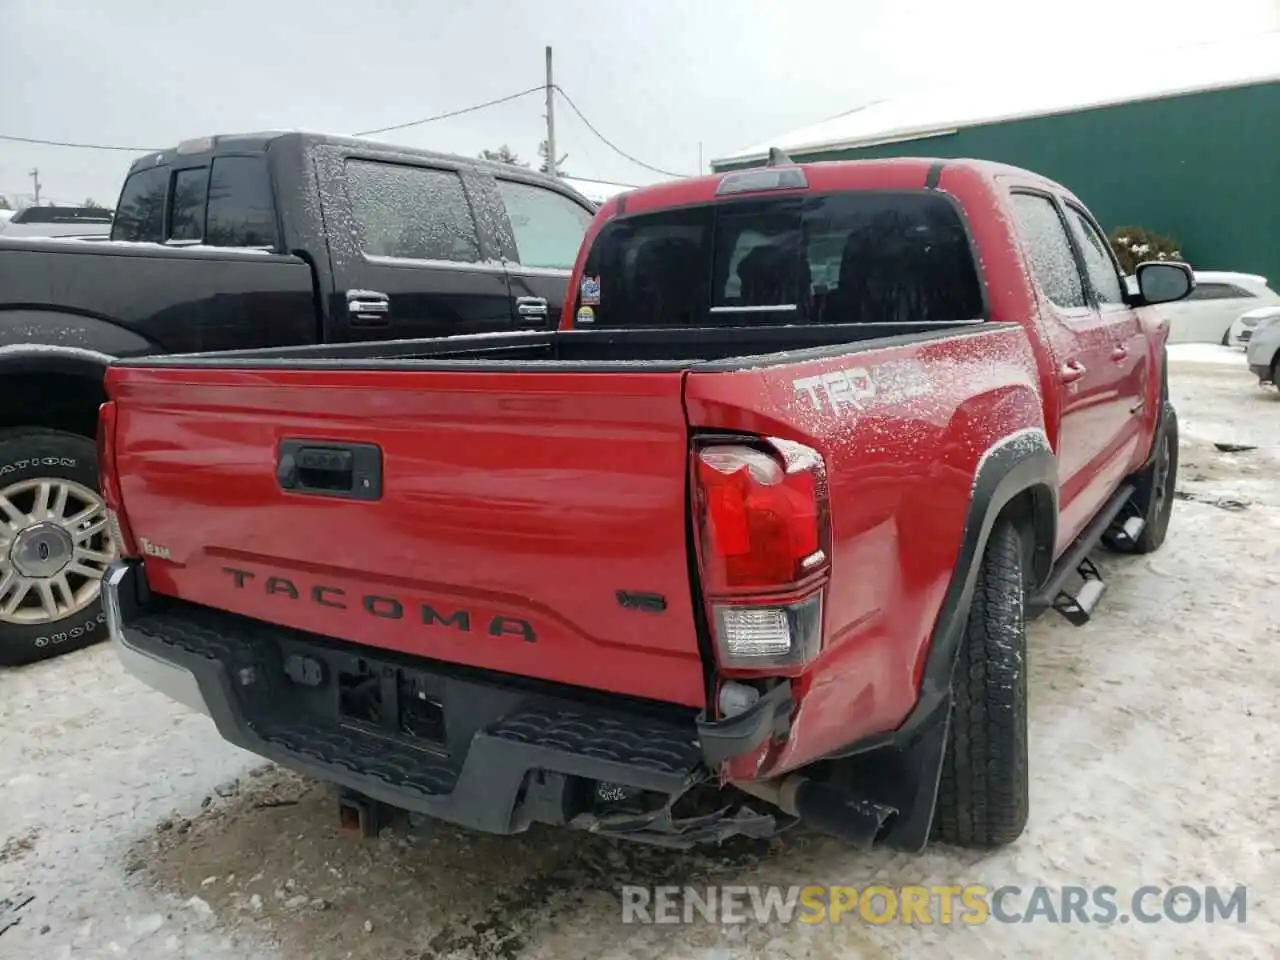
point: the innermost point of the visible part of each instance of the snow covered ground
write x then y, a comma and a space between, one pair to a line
1188, 353
129, 830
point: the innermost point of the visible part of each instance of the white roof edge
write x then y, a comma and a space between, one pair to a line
1225, 276
846, 132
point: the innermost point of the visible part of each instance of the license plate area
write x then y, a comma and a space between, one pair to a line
374, 696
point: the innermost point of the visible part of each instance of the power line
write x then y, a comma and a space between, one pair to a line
81, 146
607, 183
363, 133
452, 113
610, 144
398, 126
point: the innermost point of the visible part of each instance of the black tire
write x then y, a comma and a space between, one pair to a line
983, 793
1153, 499
1226, 337
26, 454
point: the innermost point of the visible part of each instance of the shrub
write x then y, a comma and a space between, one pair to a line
1134, 245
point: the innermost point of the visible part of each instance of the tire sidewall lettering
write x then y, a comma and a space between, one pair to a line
14, 466
72, 633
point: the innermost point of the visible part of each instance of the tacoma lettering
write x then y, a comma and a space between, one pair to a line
383, 607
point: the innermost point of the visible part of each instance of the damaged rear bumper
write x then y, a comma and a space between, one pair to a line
485, 751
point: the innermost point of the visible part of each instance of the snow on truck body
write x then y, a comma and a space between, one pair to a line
699, 563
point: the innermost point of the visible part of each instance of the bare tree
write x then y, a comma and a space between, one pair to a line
545, 166
503, 154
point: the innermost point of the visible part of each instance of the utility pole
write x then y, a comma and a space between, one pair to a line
551, 119
35, 178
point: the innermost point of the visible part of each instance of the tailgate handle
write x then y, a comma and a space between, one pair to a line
322, 468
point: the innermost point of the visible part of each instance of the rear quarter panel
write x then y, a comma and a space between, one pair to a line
180, 300
903, 430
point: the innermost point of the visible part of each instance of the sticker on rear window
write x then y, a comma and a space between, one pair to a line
586, 315
590, 292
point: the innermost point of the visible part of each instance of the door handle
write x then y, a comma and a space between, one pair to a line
1120, 353
1072, 371
368, 306
531, 306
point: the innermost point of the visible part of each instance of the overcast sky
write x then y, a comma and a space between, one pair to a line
657, 77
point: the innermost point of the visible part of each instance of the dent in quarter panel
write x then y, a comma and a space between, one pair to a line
902, 447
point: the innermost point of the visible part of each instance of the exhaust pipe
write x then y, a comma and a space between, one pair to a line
824, 808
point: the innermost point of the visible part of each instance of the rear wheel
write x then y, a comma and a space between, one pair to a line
55, 544
983, 793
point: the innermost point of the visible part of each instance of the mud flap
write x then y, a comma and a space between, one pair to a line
906, 778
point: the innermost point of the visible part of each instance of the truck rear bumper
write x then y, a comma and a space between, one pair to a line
176, 683
486, 751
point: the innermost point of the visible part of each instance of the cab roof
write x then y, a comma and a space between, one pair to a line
261, 142
896, 173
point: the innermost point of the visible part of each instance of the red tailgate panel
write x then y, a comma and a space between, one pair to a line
514, 510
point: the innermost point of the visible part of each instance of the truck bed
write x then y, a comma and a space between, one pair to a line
710, 348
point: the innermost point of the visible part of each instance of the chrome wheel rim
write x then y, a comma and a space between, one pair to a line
55, 545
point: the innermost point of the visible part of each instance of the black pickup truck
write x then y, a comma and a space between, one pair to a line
239, 241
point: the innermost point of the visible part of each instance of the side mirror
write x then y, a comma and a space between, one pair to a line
1164, 282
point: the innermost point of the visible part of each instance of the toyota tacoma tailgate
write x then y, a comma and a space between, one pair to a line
530, 525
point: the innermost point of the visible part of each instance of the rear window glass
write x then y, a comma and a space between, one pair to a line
140, 212
840, 258
241, 210
190, 190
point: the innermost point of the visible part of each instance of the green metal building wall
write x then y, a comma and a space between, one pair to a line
1203, 168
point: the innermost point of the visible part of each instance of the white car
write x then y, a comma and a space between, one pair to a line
1263, 351
1245, 325
1217, 302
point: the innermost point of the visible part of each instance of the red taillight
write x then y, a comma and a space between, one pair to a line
764, 515
109, 482
764, 549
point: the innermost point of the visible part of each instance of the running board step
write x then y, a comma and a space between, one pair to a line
1126, 534
1078, 605
1078, 608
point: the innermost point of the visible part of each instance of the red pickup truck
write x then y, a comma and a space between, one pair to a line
749, 540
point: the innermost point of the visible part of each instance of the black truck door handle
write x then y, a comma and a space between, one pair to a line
531, 306
321, 468
368, 307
